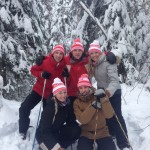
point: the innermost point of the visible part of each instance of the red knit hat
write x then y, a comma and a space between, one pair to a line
58, 48
94, 47
84, 81
77, 45
58, 86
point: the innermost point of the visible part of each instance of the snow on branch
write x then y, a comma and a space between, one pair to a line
1, 87
93, 17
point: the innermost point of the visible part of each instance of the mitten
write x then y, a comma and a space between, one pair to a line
65, 73
111, 58
96, 104
46, 75
100, 93
39, 60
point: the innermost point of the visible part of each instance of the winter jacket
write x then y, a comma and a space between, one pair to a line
52, 119
76, 69
86, 114
51, 66
106, 75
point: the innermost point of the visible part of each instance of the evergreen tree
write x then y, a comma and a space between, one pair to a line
31, 27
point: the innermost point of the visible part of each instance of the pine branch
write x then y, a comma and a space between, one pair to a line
93, 17
142, 88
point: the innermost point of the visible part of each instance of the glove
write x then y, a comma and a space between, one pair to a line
111, 58
96, 104
65, 73
100, 93
46, 75
39, 60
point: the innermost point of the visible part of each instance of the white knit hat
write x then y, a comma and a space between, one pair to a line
58, 86
94, 47
84, 81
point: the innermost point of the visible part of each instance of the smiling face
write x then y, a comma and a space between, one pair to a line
62, 95
84, 90
77, 53
95, 56
58, 56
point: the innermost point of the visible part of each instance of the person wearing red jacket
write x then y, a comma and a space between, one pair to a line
76, 63
50, 68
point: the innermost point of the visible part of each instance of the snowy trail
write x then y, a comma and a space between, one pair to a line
137, 117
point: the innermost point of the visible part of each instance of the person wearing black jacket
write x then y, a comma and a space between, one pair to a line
58, 127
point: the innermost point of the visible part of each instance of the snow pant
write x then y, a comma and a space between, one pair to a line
102, 144
24, 111
65, 136
113, 125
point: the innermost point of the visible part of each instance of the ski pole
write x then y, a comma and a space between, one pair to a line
94, 146
39, 113
123, 130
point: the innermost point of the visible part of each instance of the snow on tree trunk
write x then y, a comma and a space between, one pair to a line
1, 88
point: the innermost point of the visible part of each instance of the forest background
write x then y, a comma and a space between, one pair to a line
29, 28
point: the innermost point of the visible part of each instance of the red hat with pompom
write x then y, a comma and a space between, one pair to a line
58, 48
84, 81
58, 86
94, 47
77, 45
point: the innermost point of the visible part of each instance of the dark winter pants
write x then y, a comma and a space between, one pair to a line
113, 125
102, 144
24, 111
65, 136
68, 135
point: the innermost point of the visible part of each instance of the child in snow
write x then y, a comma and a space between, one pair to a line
91, 112
58, 127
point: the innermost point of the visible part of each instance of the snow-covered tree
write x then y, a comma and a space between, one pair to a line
1, 88
31, 27
21, 35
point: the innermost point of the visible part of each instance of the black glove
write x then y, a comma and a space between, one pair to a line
39, 60
65, 73
100, 93
96, 104
46, 75
111, 58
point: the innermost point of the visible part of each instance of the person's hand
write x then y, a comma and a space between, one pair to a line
100, 93
65, 73
46, 74
96, 104
111, 58
39, 60
108, 93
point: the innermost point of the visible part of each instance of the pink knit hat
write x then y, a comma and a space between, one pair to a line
84, 81
77, 45
94, 47
58, 48
58, 86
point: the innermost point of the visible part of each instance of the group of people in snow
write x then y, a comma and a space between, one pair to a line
72, 108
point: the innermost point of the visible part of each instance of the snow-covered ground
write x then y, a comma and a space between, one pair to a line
135, 107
